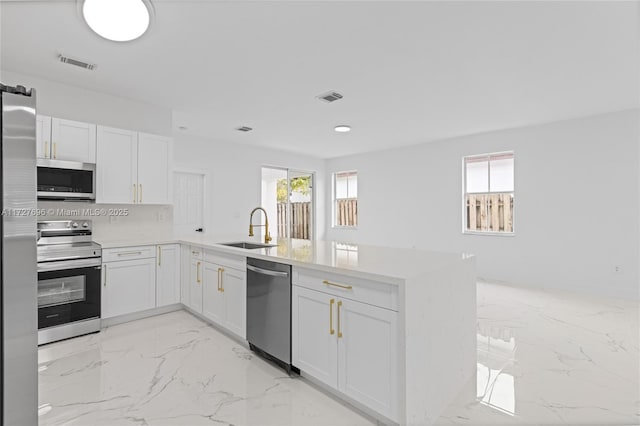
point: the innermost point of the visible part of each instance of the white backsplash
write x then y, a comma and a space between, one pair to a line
112, 221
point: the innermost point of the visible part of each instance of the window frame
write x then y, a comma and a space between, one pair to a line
334, 212
466, 231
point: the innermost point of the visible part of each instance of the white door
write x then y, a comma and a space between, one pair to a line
188, 203
367, 355
313, 335
234, 288
73, 140
43, 136
117, 166
195, 285
153, 168
168, 274
212, 295
128, 286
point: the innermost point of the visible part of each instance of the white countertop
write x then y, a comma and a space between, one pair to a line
393, 265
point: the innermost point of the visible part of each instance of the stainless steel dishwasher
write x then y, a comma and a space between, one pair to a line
269, 310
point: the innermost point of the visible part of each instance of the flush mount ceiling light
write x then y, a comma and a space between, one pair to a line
343, 128
117, 20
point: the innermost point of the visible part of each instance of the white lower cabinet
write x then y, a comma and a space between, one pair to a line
128, 286
167, 274
368, 355
224, 298
315, 346
213, 299
348, 345
194, 300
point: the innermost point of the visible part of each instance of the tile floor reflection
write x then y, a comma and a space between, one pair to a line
547, 358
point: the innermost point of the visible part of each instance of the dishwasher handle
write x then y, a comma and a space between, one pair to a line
267, 272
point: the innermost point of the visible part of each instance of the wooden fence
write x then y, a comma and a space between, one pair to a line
490, 212
347, 212
300, 223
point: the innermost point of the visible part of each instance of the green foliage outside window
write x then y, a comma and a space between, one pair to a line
298, 184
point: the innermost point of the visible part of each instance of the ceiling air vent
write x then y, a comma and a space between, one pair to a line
76, 62
330, 96
244, 129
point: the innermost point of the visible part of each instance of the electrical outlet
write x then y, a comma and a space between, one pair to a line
161, 216
617, 269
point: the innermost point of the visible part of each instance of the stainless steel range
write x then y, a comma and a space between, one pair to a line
69, 264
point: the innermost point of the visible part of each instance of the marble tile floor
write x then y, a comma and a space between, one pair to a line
544, 358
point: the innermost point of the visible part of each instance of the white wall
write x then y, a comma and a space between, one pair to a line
140, 221
74, 103
235, 182
576, 203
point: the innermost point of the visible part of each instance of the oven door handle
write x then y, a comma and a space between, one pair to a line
69, 264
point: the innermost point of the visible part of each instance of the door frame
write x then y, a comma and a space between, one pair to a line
206, 175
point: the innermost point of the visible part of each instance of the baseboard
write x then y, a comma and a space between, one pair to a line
219, 328
108, 322
343, 399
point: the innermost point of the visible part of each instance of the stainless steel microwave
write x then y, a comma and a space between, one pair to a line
66, 180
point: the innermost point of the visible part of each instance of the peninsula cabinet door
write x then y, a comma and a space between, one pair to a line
314, 335
117, 166
153, 169
367, 355
212, 297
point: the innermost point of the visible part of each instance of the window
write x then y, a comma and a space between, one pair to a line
345, 190
288, 198
488, 193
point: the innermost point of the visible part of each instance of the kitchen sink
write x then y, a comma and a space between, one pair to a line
246, 245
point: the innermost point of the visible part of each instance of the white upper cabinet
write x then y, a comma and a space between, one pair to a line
73, 141
117, 166
153, 168
132, 167
43, 136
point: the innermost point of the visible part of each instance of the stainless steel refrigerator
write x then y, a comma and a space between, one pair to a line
18, 267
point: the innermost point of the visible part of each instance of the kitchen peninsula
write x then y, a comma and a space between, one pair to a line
391, 331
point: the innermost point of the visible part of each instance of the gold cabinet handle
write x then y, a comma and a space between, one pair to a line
331, 330
346, 287
55, 151
135, 194
130, 253
339, 329
140, 193
47, 154
220, 280
198, 272
159, 256
105, 276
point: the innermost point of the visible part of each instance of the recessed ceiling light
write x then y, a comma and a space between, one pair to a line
117, 20
342, 128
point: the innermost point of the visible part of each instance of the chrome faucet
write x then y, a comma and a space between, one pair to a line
267, 236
